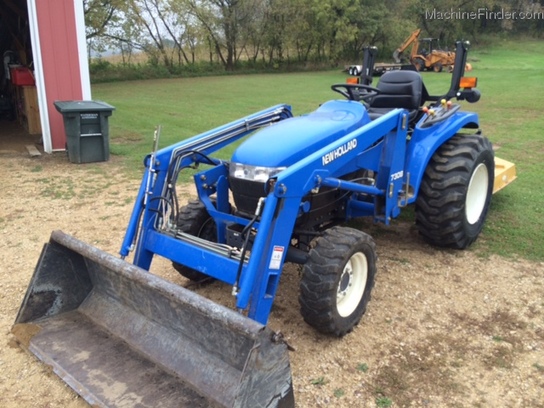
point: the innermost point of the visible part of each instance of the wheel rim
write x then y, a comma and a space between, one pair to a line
352, 284
476, 194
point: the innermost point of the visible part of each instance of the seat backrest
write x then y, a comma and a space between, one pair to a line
399, 89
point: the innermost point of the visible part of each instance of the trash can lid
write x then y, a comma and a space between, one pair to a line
82, 106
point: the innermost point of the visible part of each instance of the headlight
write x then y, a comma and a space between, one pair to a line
253, 173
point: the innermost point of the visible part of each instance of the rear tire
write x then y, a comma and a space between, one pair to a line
455, 192
337, 280
195, 220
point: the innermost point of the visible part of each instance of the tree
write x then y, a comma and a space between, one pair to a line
99, 14
228, 24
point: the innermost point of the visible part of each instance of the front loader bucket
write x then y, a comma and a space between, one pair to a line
120, 336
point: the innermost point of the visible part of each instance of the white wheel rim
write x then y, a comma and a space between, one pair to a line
352, 284
476, 194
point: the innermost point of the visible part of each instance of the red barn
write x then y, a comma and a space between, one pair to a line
44, 59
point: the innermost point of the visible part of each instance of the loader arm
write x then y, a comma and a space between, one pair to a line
169, 160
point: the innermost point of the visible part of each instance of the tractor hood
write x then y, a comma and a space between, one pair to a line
291, 140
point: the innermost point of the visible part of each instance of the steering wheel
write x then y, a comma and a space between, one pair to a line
352, 91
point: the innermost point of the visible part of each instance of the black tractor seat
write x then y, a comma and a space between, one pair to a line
398, 89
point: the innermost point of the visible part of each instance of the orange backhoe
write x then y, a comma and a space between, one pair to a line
429, 57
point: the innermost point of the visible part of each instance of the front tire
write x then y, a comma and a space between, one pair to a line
419, 63
455, 192
337, 280
195, 220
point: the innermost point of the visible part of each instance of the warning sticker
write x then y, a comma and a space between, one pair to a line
277, 255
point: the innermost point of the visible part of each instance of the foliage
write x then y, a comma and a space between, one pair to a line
319, 381
99, 14
383, 402
102, 70
363, 367
276, 32
279, 34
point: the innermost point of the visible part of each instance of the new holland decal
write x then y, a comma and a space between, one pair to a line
339, 152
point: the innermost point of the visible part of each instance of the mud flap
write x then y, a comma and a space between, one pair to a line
121, 336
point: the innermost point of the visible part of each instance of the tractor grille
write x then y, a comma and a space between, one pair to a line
246, 194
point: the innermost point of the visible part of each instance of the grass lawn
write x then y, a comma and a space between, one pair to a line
510, 77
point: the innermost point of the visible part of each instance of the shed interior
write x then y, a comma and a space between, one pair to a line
19, 108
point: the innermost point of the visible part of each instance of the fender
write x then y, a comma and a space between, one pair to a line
425, 142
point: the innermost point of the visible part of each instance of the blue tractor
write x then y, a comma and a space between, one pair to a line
285, 195
296, 181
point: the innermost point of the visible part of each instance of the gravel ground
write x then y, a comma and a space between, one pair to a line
443, 329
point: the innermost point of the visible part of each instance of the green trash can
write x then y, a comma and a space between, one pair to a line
86, 127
